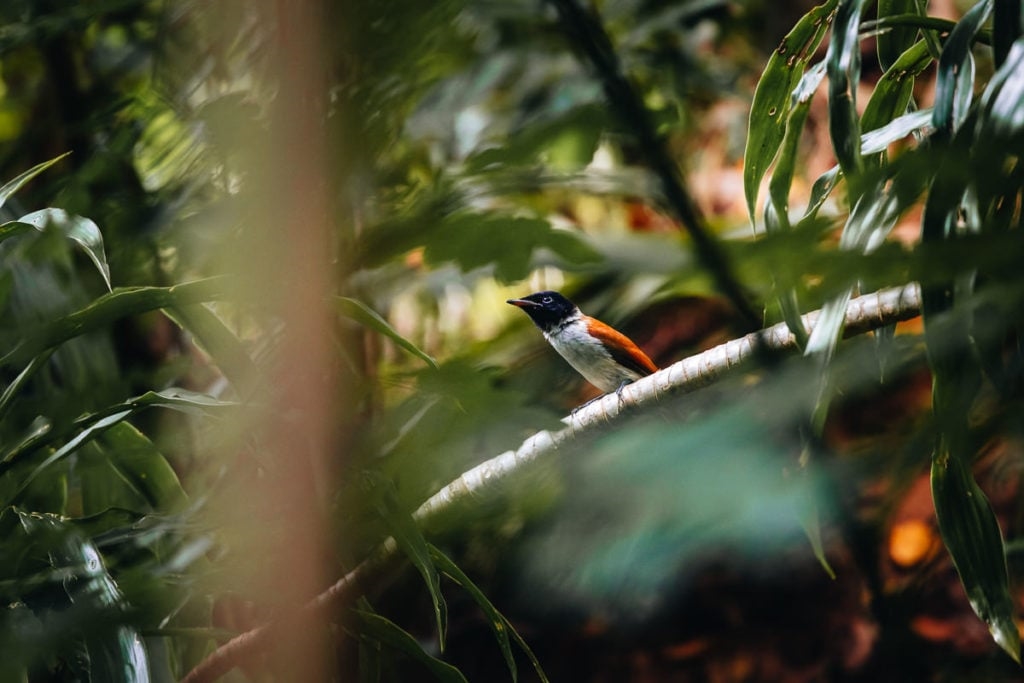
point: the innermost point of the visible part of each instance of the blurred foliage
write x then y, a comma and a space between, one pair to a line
473, 155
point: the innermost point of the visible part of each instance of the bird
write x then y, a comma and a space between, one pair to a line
604, 356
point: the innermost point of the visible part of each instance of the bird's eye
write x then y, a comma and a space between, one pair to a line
546, 300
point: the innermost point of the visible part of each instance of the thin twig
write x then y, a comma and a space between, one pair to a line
584, 28
862, 314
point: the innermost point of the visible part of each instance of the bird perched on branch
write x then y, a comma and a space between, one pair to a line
607, 358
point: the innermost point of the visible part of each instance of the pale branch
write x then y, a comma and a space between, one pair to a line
862, 314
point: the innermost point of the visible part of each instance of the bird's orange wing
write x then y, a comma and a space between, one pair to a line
622, 348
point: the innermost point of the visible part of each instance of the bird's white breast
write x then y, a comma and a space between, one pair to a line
588, 356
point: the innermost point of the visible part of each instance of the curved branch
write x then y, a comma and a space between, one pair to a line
862, 314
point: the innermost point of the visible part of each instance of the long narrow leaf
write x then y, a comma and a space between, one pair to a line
132, 470
174, 398
16, 184
895, 41
972, 536
412, 542
390, 634
12, 389
843, 63
115, 653
1002, 116
768, 115
776, 209
75, 228
951, 88
113, 306
216, 339
870, 222
895, 88
502, 628
364, 315
81, 437
14, 228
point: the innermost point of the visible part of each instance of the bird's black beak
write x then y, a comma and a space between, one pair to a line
523, 303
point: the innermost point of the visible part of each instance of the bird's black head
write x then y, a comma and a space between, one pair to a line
546, 309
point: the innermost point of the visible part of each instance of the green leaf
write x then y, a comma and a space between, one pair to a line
411, 542
115, 652
870, 222
897, 129
501, 626
1001, 118
820, 191
955, 77
366, 316
77, 228
80, 438
110, 307
893, 42
843, 63
14, 228
768, 111
810, 519
123, 469
972, 536
895, 88
12, 389
474, 240
91, 425
217, 340
777, 208
16, 184
388, 633
564, 141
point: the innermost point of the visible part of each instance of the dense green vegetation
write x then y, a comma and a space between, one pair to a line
253, 265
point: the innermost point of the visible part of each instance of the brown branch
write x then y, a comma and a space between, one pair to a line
862, 314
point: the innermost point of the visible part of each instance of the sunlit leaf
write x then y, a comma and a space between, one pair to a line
76, 228
1002, 117
364, 315
897, 129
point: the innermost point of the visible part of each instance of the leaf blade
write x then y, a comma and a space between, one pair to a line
356, 310
767, 123
12, 186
